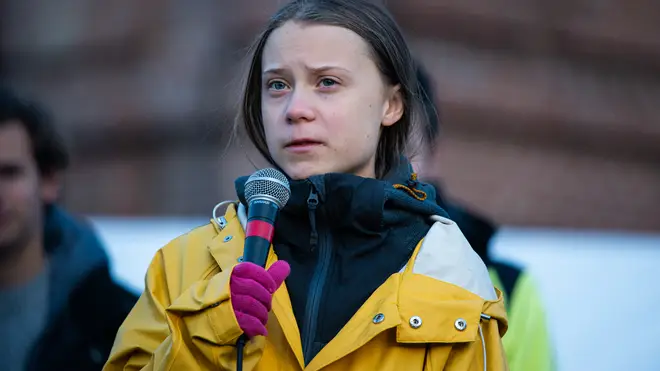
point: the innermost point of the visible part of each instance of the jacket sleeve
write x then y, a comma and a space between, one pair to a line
527, 343
195, 330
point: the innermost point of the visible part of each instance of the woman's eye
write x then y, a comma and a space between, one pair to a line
276, 85
328, 83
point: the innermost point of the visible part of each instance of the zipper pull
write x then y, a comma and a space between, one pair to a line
312, 203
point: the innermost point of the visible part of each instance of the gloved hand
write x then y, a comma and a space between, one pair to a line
251, 288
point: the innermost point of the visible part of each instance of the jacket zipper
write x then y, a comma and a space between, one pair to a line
312, 203
315, 293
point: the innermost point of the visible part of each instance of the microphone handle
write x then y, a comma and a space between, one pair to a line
259, 230
258, 237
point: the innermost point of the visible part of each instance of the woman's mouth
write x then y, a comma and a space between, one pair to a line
302, 145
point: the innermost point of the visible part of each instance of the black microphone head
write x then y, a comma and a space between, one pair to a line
268, 184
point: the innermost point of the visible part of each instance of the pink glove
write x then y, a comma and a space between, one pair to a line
251, 288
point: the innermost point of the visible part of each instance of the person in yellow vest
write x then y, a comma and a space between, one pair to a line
366, 271
527, 345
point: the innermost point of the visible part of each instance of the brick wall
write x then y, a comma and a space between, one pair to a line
550, 110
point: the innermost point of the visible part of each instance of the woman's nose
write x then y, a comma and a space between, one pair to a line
299, 108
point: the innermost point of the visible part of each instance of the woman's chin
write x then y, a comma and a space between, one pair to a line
304, 171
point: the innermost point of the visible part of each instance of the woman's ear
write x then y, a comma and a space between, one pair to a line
393, 106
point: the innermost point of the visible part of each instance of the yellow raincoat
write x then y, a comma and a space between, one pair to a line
440, 312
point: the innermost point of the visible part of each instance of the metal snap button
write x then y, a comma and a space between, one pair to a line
227, 238
240, 259
415, 321
460, 324
378, 318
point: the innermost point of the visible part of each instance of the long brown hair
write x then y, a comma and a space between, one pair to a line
389, 51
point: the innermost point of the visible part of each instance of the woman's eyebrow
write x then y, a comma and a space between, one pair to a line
315, 70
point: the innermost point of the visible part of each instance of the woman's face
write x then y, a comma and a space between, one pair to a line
324, 101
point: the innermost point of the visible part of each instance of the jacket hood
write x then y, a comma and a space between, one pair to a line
373, 202
362, 207
74, 251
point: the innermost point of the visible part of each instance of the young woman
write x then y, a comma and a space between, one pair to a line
375, 276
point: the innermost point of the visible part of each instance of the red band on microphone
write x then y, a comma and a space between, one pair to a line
261, 229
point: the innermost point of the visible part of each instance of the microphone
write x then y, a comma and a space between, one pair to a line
266, 191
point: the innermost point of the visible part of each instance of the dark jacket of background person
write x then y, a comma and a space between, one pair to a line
86, 305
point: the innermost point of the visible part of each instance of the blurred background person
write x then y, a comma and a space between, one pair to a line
527, 343
59, 308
